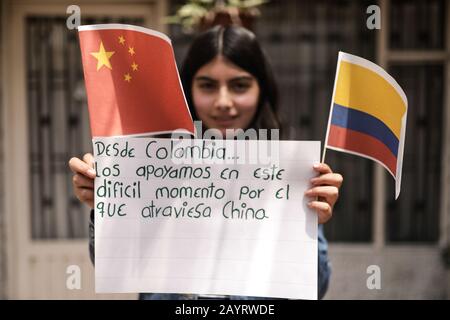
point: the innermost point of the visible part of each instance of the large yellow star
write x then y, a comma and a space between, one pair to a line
102, 57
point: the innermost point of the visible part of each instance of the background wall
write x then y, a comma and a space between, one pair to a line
404, 238
406, 273
2, 222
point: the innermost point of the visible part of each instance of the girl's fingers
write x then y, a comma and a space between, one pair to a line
326, 191
325, 194
81, 167
89, 159
86, 196
90, 204
83, 178
332, 179
323, 191
323, 210
322, 168
82, 181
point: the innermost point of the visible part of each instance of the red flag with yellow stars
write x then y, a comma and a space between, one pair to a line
132, 81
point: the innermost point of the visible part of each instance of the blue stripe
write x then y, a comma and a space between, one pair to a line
363, 122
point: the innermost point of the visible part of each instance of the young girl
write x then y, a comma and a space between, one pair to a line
228, 84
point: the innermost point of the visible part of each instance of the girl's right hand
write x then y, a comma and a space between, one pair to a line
83, 178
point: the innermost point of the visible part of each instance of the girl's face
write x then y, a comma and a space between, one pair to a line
224, 95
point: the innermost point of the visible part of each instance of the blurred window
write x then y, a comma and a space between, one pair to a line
58, 124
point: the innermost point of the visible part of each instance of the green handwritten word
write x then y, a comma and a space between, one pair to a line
117, 189
282, 193
228, 174
198, 211
114, 150
111, 209
230, 211
246, 192
184, 172
272, 173
179, 152
190, 192
107, 171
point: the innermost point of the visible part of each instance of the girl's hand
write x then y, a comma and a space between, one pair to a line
326, 188
83, 178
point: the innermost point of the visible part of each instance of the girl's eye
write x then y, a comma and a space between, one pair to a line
240, 86
208, 86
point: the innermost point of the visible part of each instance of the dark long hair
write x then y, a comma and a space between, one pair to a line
239, 46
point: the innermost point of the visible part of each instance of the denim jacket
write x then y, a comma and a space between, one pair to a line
324, 271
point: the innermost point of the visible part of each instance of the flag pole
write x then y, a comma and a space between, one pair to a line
331, 108
324, 153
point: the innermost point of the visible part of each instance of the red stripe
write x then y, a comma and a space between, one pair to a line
362, 143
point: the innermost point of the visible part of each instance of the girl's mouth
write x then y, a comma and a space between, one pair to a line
224, 121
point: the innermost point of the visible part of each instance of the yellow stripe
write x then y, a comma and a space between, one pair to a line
362, 89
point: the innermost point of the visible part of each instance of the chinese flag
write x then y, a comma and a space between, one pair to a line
132, 81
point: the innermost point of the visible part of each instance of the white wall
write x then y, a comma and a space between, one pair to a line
407, 272
2, 224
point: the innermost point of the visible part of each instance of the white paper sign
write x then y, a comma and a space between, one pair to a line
205, 217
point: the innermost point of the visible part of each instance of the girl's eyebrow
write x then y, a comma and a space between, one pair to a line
205, 78
245, 78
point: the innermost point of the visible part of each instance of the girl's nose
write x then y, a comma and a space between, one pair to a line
224, 99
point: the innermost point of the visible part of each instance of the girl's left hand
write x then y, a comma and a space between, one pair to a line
326, 188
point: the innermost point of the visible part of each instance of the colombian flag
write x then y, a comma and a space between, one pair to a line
132, 81
368, 114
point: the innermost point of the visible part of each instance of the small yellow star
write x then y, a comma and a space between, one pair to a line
122, 40
134, 66
127, 77
131, 50
102, 57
